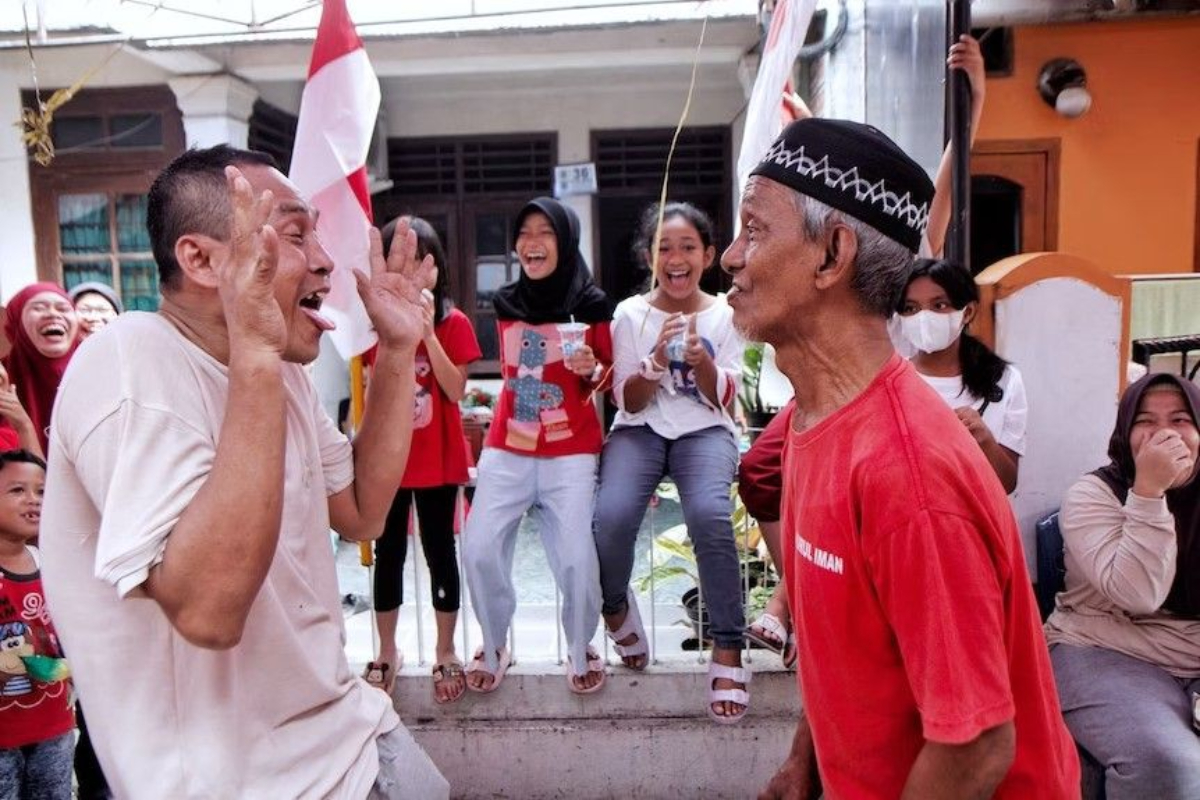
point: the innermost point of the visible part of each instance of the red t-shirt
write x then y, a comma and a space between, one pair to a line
438, 456
30, 711
914, 615
544, 409
9, 440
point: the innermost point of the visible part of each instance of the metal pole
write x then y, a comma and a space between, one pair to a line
958, 121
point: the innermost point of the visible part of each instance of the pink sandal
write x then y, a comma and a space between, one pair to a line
594, 664
479, 664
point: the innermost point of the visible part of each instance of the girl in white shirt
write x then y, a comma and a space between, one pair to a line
939, 303
676, 371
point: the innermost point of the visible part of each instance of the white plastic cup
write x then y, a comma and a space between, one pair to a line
678, 344
571, 336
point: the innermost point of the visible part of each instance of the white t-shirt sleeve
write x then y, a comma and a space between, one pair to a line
137, 514
730, 349
337, 454
627, 355
1016, 412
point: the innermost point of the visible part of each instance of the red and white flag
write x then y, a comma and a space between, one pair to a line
766, 111
333, 137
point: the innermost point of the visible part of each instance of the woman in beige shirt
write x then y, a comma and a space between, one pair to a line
1125, 634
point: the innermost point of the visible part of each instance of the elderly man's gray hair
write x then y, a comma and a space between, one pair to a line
882, 265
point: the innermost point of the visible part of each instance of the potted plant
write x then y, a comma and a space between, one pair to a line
757, 413
476, 407
672, 556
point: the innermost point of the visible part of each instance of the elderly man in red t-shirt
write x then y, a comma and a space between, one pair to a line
922, 663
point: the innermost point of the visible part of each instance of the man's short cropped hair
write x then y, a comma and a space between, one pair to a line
189, 196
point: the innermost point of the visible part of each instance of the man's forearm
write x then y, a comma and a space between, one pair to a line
381, 447
219, 552
962, 772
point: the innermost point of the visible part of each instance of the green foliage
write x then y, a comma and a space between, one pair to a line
671, 555
759, 597
478, 398
752, 377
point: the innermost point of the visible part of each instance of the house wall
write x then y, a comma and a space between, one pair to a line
572, 110
1128, 182
18, 259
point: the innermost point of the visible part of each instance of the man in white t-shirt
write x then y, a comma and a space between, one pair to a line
193, 481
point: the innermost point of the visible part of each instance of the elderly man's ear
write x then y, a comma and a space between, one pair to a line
198, 256
841, 249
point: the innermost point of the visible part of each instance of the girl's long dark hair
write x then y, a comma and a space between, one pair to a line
428, 243
981, 368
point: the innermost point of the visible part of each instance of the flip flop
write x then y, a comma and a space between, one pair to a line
632, 626
594, 664
772, 634
790, 654
375, 674
740, 696
478, 664
449, 671
381, 675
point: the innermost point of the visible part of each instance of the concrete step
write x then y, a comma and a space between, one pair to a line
645, 735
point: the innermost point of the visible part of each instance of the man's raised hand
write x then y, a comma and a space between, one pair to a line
246, 271
392, 293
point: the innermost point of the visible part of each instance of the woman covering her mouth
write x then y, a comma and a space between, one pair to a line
43, 329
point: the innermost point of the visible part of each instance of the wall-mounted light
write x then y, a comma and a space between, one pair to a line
1062, 83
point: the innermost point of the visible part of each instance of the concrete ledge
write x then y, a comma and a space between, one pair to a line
645, 735
537, 690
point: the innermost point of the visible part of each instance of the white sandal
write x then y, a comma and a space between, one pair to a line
632, 626
777, 633
740, 696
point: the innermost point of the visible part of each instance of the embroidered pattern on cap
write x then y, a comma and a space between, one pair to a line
901, 207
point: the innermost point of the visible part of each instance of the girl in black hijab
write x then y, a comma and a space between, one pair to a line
1125, 634
543, 445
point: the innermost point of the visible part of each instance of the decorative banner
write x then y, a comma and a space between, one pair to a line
789, 24
333, 136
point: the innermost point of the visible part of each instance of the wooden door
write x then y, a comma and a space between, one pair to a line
1026, 171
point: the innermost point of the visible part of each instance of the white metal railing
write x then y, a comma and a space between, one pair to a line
413, 625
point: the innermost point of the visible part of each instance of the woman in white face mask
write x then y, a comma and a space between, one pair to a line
985, 391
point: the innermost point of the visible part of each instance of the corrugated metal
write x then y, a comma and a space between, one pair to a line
905, 54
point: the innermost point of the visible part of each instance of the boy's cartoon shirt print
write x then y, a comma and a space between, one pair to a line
537, 402
682, 376
423, 392
25, 634
16, 640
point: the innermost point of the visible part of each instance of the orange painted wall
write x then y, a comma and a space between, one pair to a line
1127, 191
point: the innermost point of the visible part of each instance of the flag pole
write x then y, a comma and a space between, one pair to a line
366, 554
958, 123
366, 550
